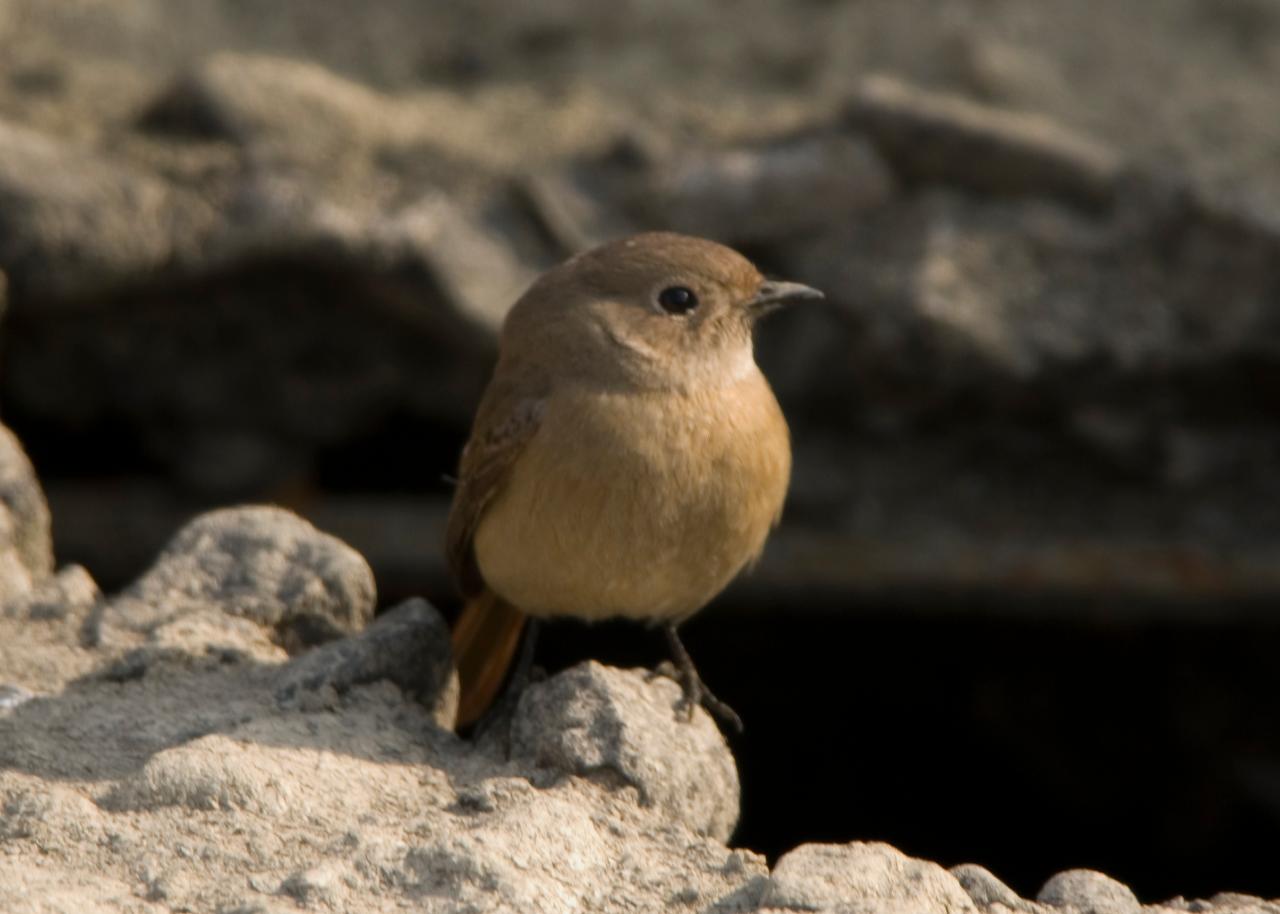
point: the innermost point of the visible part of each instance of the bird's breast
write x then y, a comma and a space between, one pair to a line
643, 504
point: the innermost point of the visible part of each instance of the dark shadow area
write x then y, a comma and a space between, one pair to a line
1147, 751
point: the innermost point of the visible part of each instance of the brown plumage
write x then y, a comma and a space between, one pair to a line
628, 457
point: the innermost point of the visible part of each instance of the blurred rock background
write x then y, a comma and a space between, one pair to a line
1023, 608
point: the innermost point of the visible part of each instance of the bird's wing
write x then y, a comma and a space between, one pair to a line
504, 424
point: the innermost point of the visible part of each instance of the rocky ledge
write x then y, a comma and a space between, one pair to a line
237, 732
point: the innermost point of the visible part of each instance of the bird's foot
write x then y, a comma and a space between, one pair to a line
696, 694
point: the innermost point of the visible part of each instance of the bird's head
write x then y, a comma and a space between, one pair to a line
655, 311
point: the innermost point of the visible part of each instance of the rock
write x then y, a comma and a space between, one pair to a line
262, 565
561, 849
74, 225
861, 878
782, 190
620, 728
1010, 75
407, 645
13, 695
1088, 892
117, 278
1113, 338
475, 267
317, 885
929, 137
26, 550
27, 515
987, 891
72, 592
1237, 903
281, 106
224, 776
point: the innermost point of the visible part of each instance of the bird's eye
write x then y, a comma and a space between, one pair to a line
677, 300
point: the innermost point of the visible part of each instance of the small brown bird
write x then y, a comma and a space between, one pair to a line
628, 458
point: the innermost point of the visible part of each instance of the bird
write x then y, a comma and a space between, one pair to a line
627, 459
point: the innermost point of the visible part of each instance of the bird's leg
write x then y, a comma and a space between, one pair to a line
695, 690
522, 675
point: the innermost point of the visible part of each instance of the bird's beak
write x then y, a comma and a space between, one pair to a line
773, 295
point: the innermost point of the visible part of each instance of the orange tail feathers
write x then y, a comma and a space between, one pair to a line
485, 639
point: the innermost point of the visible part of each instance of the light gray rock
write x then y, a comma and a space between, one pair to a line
13, 695
283, 105
71, 593
987, 891
25, 523
575, 847
931, 136
26, 550
782, 190
324, 780
212, 796
407, 645
862, 878
260, 565
1237, 903
75, 225
1088, 892
620, 727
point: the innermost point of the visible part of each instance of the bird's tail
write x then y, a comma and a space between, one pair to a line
485, 639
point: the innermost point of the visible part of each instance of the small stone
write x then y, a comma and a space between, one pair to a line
71, 592
263, 564
862, 878
26, 550
1088, 892
13, 695
620, 726
491, 794
209, 773
1237, 903
319, 884
986, 890
407, 645
686, 896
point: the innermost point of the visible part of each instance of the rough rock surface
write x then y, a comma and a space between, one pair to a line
1087, 891
862, 879
26, 549
184, 761
264, 565
610, 724
197, 767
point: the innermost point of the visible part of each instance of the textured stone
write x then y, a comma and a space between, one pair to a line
284, 104
987, 891
73, 224
929, 136
26, 550
13, 695
260, 564
620, 727
1088, 892
779, 191
71, 592
407, 645
861, 878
